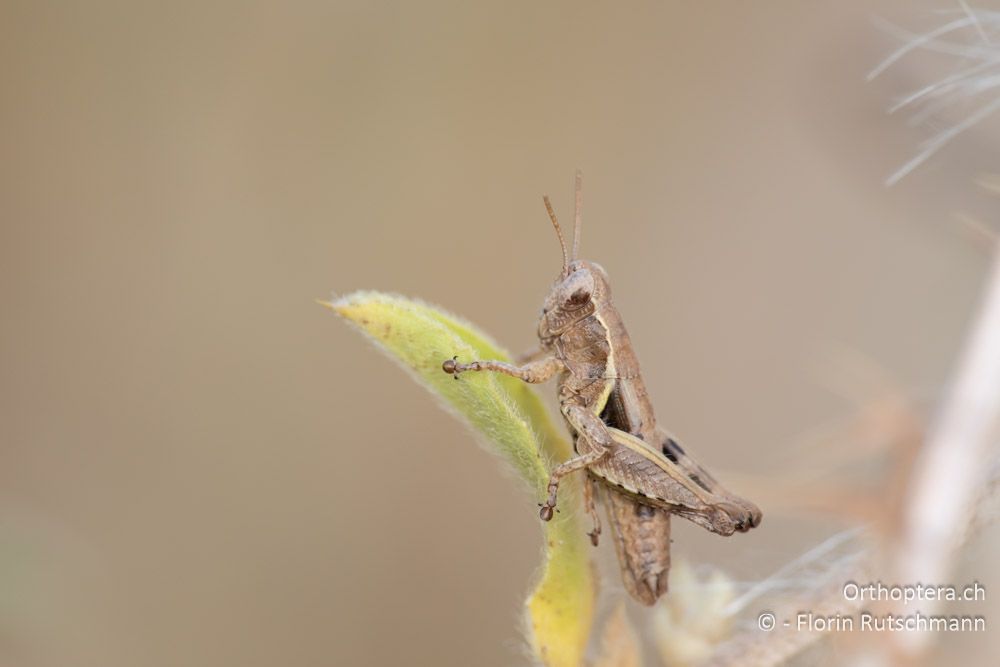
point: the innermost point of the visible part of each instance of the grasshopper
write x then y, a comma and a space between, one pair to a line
641, 473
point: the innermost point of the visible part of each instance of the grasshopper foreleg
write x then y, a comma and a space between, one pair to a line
532, 372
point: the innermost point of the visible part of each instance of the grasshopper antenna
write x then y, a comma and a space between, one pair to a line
578, 213
562, 241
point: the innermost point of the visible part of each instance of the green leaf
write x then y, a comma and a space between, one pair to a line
510, 414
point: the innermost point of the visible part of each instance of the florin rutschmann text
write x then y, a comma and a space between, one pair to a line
864, 620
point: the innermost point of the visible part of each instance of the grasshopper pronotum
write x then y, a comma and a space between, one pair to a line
641, 473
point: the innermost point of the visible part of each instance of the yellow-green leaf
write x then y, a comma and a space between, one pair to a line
559, 610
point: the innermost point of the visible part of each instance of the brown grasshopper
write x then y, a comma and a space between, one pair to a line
641, 472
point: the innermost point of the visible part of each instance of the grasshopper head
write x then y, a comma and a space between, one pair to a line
581, 286
574, 296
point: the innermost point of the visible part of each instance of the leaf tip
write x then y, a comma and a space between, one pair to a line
342, 305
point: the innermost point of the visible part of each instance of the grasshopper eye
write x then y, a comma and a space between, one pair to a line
578, 298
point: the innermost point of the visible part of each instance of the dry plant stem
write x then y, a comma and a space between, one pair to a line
949, 470
974, 83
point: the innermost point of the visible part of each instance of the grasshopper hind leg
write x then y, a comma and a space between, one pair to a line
727, 507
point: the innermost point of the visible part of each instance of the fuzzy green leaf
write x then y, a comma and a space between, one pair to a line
510, 414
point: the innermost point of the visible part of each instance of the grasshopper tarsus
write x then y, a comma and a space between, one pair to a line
450, 366
545, 513
594, 537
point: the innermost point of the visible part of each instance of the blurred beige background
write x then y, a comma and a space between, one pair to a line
200, 466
